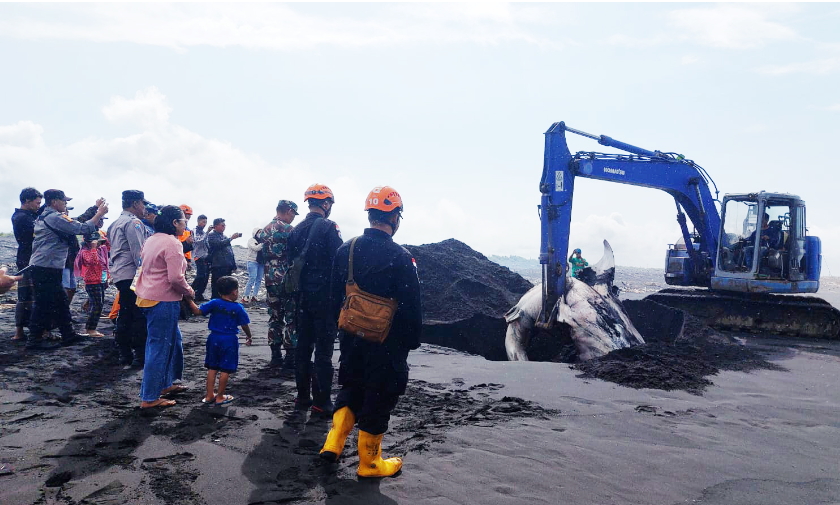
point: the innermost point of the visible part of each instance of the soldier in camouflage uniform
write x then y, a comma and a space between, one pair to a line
281, 327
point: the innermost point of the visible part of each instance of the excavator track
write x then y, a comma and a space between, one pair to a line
788, 315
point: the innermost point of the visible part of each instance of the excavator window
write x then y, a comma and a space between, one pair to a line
740, 220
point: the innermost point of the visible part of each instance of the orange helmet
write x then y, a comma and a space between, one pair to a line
187, 210
318, 192
384, 198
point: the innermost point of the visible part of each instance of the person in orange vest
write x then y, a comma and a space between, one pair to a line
186, 238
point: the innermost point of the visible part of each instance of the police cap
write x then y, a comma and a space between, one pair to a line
55, 194
288, 203
132, 195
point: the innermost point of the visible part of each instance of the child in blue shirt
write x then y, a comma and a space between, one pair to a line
222, 358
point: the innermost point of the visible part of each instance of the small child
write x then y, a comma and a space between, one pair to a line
222, 357
92, 265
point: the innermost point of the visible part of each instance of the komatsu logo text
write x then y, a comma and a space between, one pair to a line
616, 171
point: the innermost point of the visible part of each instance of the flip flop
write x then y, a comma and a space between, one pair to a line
162, 403
228, 399
205, 402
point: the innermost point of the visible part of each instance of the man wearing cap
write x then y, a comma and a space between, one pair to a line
281, 307
23, 224
127, 235
202, 263
53, 233
578, 262
222, 261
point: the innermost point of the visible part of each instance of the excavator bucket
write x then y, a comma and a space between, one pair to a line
797, 316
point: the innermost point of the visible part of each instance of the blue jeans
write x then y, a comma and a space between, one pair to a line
255, 275
164, 353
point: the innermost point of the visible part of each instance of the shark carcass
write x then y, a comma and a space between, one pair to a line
589, 317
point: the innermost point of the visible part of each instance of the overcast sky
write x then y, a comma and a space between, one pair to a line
229, 108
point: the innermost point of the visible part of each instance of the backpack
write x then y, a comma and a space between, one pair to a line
291, 281
364, 314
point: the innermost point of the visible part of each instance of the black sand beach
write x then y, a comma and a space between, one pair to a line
470, 430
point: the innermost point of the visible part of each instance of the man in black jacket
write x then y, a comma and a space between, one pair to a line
315, 323
220, 252
374, 375
23, 224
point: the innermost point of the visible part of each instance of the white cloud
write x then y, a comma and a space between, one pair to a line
818, 67
727, 26
279, 26
835, 107
170, 163
23, 134
634, 243
734, 26
174, 165
148, 109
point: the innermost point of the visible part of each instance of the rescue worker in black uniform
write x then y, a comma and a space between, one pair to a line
373, 376
316, 325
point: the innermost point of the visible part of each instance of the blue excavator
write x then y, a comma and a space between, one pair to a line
749, 252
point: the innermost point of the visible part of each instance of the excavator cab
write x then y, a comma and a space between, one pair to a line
764, 247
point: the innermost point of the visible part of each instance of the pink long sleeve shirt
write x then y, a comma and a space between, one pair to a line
162, 276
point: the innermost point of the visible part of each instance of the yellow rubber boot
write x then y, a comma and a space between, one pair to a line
371, 463
343, 421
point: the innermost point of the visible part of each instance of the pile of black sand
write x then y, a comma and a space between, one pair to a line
465, 297
680, 353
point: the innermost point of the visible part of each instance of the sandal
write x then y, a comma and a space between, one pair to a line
160, 403
227, 399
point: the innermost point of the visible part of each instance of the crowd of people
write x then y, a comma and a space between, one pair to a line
365, 292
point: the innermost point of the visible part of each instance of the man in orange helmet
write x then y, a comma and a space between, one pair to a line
315, 239
186, 238
374, 375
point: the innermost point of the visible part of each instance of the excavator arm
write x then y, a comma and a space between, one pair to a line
683, 179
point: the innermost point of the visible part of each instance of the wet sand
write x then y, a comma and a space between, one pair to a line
470, 431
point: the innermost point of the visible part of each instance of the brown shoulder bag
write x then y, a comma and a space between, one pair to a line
363, 314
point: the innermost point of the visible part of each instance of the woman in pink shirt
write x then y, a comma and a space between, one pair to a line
160, 289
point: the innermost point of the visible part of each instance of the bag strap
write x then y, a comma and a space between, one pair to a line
350, 267
62, 236
309, 239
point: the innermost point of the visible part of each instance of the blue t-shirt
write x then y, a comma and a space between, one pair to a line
225, 317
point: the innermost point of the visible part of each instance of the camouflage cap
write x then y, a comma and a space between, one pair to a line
288, 203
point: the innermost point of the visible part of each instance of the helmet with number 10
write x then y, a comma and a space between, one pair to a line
384, 198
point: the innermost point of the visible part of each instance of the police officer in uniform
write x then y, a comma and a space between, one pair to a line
316, 328
373, 376
127, 235
53, 233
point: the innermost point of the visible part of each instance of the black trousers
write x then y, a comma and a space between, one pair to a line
372, 379
52, 307
96, 296
316, 332
215, 274
130, 332
202, 275
26, 297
